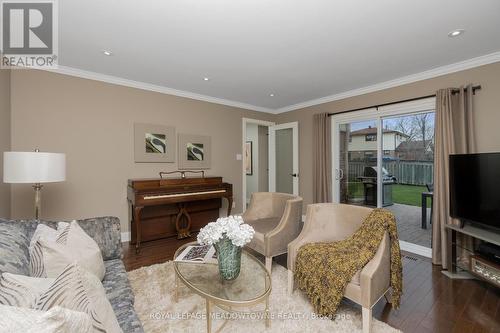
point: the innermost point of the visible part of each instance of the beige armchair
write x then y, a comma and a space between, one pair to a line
328, 222
276, 219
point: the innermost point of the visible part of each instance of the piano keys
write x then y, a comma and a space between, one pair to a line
166, 207
178, 195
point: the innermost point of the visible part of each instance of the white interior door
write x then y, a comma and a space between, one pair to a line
284, 158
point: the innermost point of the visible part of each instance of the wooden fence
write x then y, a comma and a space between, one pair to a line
406, 172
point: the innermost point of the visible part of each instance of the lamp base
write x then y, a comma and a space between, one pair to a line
38, 200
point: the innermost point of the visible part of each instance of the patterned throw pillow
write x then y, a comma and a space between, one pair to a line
20, 290
77, 289
74, 289
49, 255
56, 320
48, 234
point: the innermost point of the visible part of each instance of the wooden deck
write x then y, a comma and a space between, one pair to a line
409, 220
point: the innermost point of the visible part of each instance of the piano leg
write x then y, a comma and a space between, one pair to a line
137, 220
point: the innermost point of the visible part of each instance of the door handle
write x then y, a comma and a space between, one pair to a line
294, 175
341, 174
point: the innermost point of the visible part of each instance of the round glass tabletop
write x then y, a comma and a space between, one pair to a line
252, 285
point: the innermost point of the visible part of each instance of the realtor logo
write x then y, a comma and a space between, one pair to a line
29, 34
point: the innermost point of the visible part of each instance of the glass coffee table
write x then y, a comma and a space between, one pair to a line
250, 288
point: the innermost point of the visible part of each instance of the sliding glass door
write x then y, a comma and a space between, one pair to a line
357, 162
409, 159
383, 157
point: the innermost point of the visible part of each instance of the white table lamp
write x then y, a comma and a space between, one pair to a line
34, 168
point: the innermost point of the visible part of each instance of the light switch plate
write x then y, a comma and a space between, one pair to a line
239, 157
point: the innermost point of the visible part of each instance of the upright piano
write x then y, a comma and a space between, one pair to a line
167, 207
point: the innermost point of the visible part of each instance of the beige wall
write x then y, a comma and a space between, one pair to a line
487, 110
92, 122
4, 138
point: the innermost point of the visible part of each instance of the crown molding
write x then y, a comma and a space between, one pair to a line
65, 70
429, 74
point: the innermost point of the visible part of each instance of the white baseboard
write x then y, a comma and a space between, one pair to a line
464, 275
125, 237
417, 249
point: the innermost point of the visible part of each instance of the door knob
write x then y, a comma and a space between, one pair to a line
294, 175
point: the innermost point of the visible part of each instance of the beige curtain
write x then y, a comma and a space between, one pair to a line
454, 134
322, 158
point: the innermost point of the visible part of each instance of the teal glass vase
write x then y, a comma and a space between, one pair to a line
229, 258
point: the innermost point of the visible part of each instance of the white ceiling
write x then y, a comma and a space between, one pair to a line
299, 50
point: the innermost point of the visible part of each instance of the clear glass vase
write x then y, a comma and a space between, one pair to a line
229, 258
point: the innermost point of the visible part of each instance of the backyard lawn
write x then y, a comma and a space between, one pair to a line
408, 194
402, 194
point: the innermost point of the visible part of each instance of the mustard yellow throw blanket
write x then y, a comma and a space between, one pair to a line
323, 270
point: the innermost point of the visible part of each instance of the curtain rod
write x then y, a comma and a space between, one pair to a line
454, 91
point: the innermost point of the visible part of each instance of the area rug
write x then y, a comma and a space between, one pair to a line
154, 289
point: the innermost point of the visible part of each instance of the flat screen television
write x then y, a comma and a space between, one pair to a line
475, 188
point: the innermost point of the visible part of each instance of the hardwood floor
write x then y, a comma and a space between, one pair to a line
431, 302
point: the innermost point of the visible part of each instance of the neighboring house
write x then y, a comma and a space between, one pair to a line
416, 150
363, 143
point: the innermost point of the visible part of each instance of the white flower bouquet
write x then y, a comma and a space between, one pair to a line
233, 227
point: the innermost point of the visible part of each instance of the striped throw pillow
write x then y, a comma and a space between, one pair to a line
48, 234
20, 290
49, 256
77, 289
56, 320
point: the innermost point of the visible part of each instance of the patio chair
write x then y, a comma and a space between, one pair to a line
425, 195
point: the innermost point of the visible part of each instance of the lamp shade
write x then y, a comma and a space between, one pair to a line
33, 167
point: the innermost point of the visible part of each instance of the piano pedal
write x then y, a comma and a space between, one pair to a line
183, 235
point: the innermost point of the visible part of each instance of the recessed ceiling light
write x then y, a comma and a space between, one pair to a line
107, 53
206, 79
271, 95
456, 33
